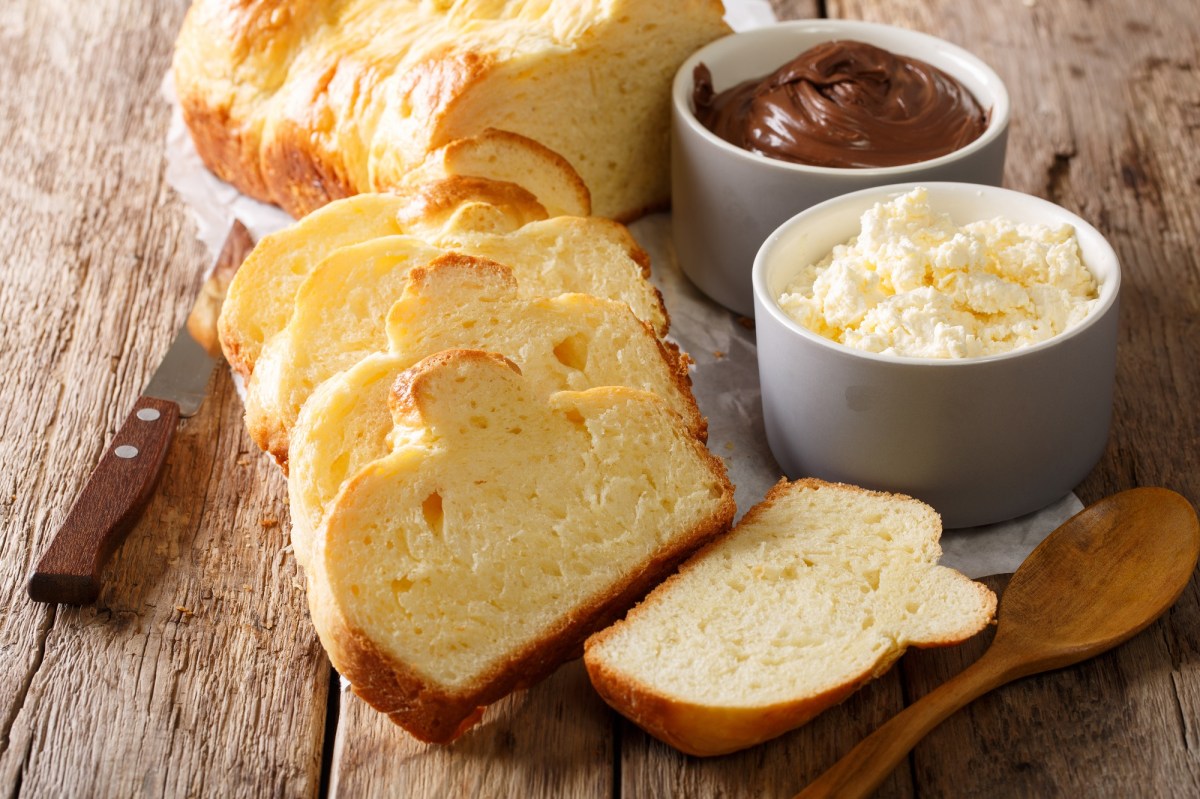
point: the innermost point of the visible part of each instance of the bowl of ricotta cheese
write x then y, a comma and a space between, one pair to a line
951, 341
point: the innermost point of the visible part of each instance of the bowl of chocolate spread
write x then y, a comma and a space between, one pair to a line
769, 122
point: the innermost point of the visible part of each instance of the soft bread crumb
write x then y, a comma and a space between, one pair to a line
336, 314
820, 588
569, 342
502, 529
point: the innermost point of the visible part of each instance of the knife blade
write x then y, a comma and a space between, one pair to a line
121, 485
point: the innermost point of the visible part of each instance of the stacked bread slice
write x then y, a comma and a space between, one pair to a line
465, 186
339, 312
565, 342
493, 453
491, 450
311, 300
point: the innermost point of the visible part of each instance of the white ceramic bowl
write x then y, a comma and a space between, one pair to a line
981, 440
725, 200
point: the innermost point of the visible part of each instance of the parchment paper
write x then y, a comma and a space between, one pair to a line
725, 376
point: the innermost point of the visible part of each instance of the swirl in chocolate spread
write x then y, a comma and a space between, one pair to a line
844, 104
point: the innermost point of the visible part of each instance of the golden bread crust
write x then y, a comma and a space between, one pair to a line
706, 730
511, 205
300, 103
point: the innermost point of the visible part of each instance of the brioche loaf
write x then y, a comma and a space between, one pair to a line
301, 103
574, 341
502, 528
820, 588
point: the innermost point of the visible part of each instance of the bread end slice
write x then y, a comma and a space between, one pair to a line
820, 588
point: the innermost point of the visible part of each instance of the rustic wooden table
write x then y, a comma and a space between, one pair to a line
198, 673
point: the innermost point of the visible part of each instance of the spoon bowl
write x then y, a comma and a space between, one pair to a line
1100, 578
1094, 583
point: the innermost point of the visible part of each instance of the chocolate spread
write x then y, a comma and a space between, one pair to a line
844, 104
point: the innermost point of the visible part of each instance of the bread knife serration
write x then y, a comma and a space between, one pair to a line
122, 483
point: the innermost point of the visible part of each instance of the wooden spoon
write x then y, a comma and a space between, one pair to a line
1094, 583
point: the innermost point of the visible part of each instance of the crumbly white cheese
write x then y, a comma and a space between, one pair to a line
913, 283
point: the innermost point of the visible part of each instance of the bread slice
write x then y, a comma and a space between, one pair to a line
569, 342
300, 105
462, 186
337, 320
339, 312
506, 157
503, 528
456, 214
264, 288
594, 256
820, 588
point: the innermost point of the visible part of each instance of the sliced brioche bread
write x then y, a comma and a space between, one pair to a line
259, 299
488, 219
573, 341
502, 529
337, 320
303, 103
493, 182
338, 315
459, 203
594, 256
592, 330
819, 589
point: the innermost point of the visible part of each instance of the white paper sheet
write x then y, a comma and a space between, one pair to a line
743, 15
725, 377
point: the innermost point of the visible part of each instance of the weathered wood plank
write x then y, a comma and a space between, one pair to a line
196, 672
796, 9
554, 740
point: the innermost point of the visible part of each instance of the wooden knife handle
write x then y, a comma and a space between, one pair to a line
111, 502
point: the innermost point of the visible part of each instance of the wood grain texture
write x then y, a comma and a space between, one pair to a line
796, 9
553, 740
195, 673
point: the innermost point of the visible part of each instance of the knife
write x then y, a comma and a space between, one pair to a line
122, 483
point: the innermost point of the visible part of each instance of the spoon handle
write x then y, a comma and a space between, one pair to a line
867, 765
